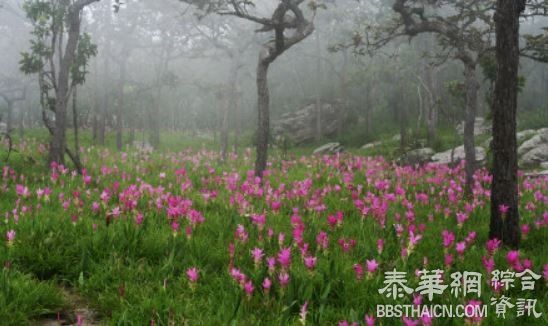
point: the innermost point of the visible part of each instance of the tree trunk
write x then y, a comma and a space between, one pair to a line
432, 110
154, 119
237, 121
318, 129
9, 118
263, 117
504, 188
224, 123
472, 86
75, 123
119, 113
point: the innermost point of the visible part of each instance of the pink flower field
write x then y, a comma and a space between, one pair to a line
179, 238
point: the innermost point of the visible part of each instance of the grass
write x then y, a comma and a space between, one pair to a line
133, 273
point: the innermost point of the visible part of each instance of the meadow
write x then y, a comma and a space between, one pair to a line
177, 237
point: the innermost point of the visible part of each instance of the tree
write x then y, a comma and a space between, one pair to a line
287, 16
52, 21
504, 224
232, 43
463, 29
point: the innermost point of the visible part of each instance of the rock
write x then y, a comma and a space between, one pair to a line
543, 133
3, 128
458, 155
300, 126
396, 137
487, 143
371, 145
480, 127
544, 165
417, 156
329, 148
525, 134
143, 146
535, 156
532, 143
537, 174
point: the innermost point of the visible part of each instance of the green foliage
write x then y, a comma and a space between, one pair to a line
48, 21
86, 49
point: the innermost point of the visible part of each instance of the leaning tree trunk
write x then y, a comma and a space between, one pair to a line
264, 117
471, 85
504, 189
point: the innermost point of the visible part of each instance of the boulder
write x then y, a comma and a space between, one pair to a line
372, 145
481, 127
417, 156
3, 128
536, 141
143, 146
535, 156
525, 134
458, 155
300, 126
544, 165
329, 148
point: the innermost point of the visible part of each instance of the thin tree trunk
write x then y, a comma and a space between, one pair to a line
77, 161
9, 118
119, 113
318, 133
224, 123
263, 118
472, 86
504, 188
432, 110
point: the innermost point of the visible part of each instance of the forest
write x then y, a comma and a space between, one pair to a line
273, 162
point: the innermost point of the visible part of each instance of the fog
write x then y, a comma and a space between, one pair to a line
167, 66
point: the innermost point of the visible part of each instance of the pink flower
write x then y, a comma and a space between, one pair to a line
193, 274
271, 263
10, 235
380, 245
310, 262
369, 320
460, 247
303, 313
470, 237
503, 208
283, 278
139, 218
267, 284
512, 257
471, 310
284, 257
358, 270
545, 272
492, 245
322, 240
22, 191
488, 263
417, 299
448, 238
525, 229
448, 260
371, 265
257, 254
248, 288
